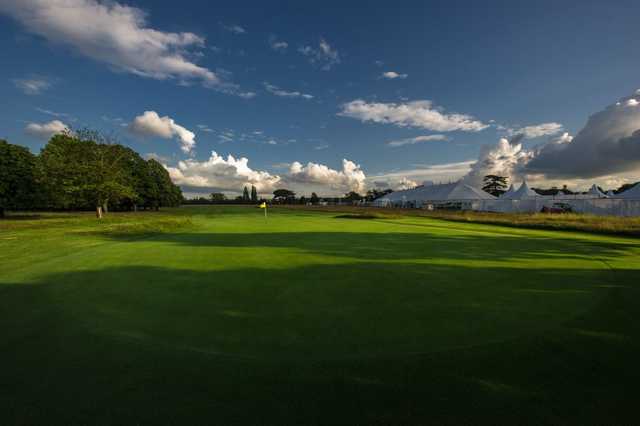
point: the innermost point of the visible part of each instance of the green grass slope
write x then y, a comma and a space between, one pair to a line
214, 315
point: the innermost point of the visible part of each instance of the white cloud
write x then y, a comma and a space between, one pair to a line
33, 85
205, 128
46, 130
392, 75
539, 130
278, 45
117, 35
421, 114
606, 151
275, 90
218, 173
151, 124
439, 173
350, 178
235, 29
324, 55
609, 143
417, 139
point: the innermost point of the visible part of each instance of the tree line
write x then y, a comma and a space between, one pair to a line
82, 171
285, 196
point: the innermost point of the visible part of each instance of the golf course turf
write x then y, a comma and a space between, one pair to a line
216, 315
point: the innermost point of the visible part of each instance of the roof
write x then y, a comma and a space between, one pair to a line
594, 190
523, 193
631, 193
449, 191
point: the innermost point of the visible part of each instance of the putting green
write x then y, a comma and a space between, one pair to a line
305, 318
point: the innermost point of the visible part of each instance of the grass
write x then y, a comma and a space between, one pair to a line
610, 225
214, 315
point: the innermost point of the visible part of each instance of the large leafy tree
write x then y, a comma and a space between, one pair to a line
17, 177
494, 184
284, 196
254, 194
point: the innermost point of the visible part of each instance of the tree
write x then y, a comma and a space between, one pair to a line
284, 196
314, 198
494, 184
374, 194
217, 196
17, 177
352, 196
245, 194
254, 194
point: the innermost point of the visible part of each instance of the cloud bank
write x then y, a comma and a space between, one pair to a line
350, 178
420, 114
151, 124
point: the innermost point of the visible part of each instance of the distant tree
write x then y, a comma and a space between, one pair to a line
494, 184
314, 198
254, 194
17, 177
217, 196
245, 194
284, 196
626, 187
352, 196
374, 194
303, 200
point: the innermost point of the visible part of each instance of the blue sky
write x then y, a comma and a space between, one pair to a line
502, 65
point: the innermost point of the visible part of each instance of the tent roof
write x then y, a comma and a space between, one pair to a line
523, 192
510, 191
594, 190
449, 191
631, 193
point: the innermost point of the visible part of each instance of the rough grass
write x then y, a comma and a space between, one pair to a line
220, 316
610, 225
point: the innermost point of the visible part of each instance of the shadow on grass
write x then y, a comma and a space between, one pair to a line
366, 343
404, 246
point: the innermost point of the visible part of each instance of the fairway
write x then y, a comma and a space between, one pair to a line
216, 315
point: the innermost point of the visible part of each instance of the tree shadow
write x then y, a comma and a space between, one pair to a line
404, 246
370, 342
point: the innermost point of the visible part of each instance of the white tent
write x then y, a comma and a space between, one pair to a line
458, 191
595, 192
630, 194
523, 193
509, 192
610, 193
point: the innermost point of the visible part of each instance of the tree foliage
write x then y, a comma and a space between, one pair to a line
494, 184
83, 171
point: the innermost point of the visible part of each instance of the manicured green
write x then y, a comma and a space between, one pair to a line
214, 315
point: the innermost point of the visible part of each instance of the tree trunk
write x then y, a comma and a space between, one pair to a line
1, 212
99, 212
105, 207
135, 207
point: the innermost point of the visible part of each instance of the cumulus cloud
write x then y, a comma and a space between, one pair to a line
46, 130
417, 139
421, 114
33, 85
218, 173
392, 75
406, 184
151, 124
539, 130
324, 55
117, 35
607, 148
504, 159
350, 178
609, 143
275, 90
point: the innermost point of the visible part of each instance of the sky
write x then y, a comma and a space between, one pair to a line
333, 96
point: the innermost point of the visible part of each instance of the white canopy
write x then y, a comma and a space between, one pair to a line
509, 192
630, 194
445, 192
595, 191
523, 193
610, 193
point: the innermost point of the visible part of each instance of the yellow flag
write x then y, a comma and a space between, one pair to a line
263, 205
